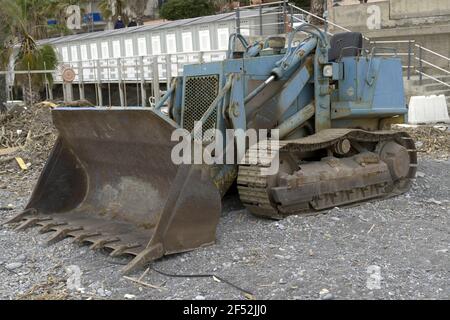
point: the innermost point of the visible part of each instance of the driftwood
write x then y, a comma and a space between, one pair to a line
144, 284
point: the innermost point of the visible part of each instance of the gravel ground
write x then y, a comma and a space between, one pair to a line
391, 249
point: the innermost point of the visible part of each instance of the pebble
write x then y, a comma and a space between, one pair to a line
420, 174
199, 297
432, 200
101, 292
328, 296
280, 226
129, 296
13, 265
21, 258
325, 294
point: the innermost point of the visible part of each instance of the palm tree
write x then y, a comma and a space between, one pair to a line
317, 8
111, 9
138, 7
26, 21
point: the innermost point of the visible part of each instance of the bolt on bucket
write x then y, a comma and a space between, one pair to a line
110, 181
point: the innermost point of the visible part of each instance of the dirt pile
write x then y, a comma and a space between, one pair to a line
432, 140
26, 132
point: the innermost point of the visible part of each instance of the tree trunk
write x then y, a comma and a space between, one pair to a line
138, 7
317, 8
3, 94
30, 96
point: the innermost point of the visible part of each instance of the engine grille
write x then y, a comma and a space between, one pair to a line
200, 92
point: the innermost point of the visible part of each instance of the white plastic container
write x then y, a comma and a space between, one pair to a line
428, 110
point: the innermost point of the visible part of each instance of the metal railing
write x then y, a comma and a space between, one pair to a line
137, 70
417, 61
142, 70
279, 9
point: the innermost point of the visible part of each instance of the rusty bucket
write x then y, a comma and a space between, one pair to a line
110, 182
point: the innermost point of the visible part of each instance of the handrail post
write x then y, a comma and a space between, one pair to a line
409, 59
46, 82
238, 21
143, 93
168, 68
99, 83
420, 65
80, 80
119, 78
155, 80
30, 86
260, 20
292, 17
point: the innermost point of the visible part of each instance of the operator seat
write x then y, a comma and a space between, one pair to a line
351, 42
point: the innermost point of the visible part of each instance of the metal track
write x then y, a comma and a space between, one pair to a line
253, 184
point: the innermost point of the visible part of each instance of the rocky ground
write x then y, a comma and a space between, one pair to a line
391, 249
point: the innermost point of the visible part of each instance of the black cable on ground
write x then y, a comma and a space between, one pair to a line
191, 276
200, 276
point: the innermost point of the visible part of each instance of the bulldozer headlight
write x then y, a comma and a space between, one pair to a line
328, 71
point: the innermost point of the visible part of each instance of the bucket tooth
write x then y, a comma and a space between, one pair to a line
100, 243
61, 234
31, 222
49, 226
83, 236
121, 250
20, 216
148, 254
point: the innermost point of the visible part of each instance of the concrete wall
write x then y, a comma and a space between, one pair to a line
403, 9
393, 13
355, 16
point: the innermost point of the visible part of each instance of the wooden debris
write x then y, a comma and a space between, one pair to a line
7, 151
429, 139
145, 284
21, 163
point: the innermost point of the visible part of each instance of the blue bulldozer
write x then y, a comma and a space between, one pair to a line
325, 102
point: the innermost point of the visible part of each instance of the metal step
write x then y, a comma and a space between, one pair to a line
434, 87
426, 81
